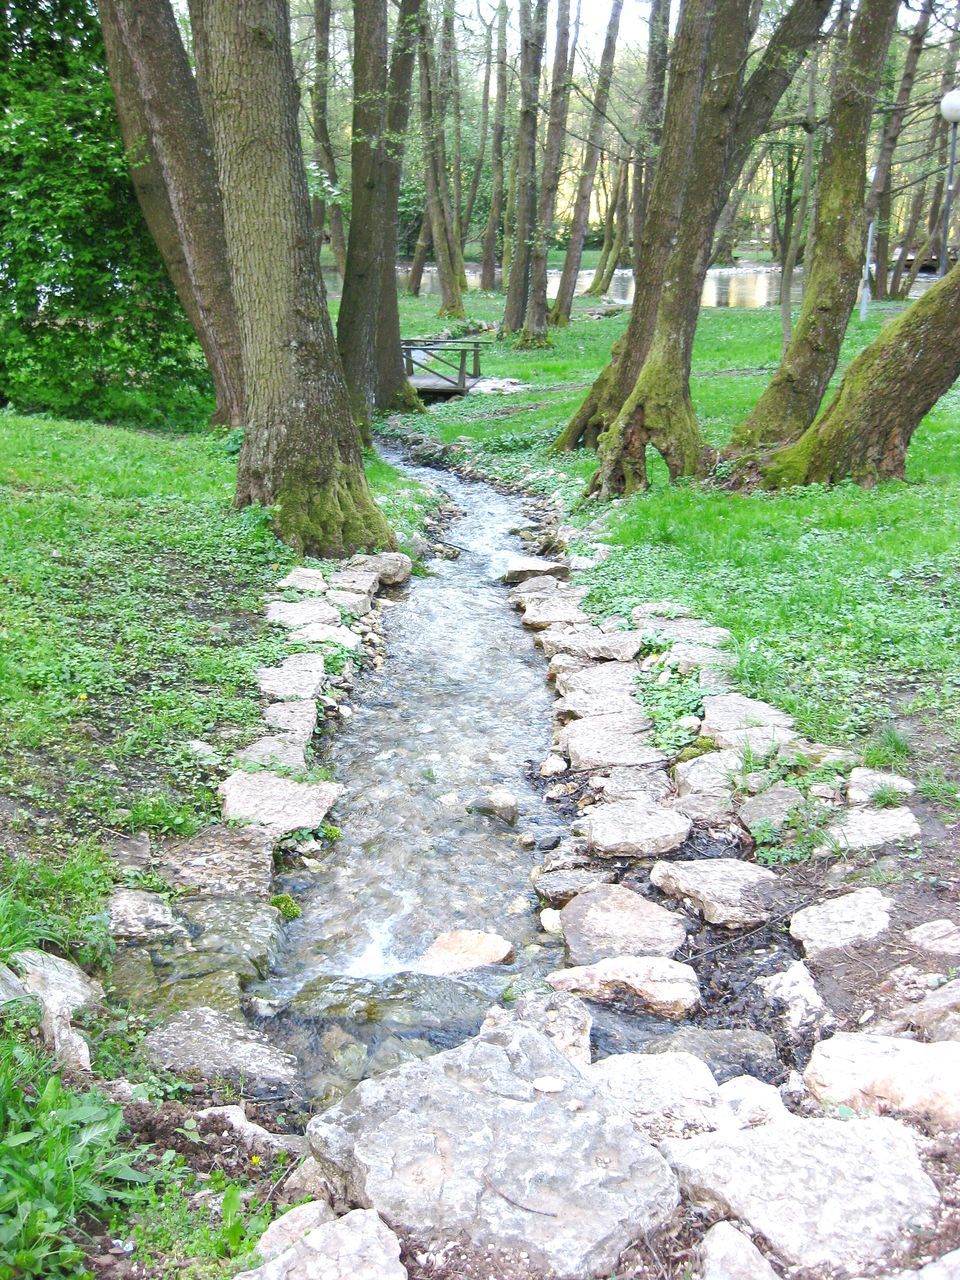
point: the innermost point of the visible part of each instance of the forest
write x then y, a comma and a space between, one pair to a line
479, 670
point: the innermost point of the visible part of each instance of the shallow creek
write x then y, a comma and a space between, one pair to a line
461, 704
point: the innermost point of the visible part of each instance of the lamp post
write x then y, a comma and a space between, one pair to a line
865, 282
950, 110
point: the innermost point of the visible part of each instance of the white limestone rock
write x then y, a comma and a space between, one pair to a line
761, 740
296, 719
324, 633
727, 1254
301, 613
869, 829
355, 603
876, 1073
137, 915
251, 1136
685, 657
292, 1226
300, 676
392, 568
281, 805
562, 1018
711, 774
936, 1016
772, 806
726, 711
276, 751
796, 992
358, 1246
752, 1102
56, 983
726, 891
520, 568
611, 920
547, 611
303, 579
667, 1095
633, 784
634, 829
826, 1194
653, 982
941, 937
496, 802
682, 630
221, 860
592, 643
864, 784
839, 922
461, 950
202, 1042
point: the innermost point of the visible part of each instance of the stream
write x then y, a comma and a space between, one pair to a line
462, 704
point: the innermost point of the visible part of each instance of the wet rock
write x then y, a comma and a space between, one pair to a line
357, 1246
839, 922
550, 921
252, 1137
610, 920
727, 1254
303, 579
210, 1045
221, 860
594, 644
296, 719
498, 802
412, 1000
55, 982
710, 774
667, 1095
726, 891
602, 741
634, 829
869, 829
394, 1051
324, 633
652, 982
726, 711
558, 887
752, 1102
274, 752
465, 1146
292, 1226
218, 989
460, 950
772, 807
562, 1018
391, 567
885, 1073
139, 916
795, 992
521, 568
864, 784
300, 676
547, 611
633, 784
533, 588
941, 937
241, 933
602, 679
279, 804
936, 1016
728, 1053
131, 851
301, 613
824, 1193
553, 766
684, 630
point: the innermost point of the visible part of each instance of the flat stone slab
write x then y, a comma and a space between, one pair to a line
936, 1016
592, 644
634, 829
685, 630
300, 613
863, 785
520, 568
558, 887
944, 1268
547, 611
291, 1227
726, 891
275, 751
667, 1095
238, 933
941, 937
391, 567
303, 579
853, 917
825, 1193
324, 633
279, 804
653, 982
772, 806
358, 1246
296, 719
710, 774
502, 1143
877, 1073
633, 784
204, 1043
685, 657
727, 1254
355, 603
460, 950
540, 585
300, 676
610, 920
221, 860
869, 829
725, 711
139, 916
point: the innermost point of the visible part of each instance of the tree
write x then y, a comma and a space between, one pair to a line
301, 451
491, 234
446, 244
175, 179
325, 158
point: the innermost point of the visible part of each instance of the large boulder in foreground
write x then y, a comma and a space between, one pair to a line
826, 1194
501, 1143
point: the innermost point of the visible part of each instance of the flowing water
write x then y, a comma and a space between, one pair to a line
461, 704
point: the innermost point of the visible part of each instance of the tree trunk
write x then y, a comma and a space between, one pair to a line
415, 278
560, 311
884, 396
175, 179
609, 231
725, 236
533, 34
535, 326
509, 220
301, 451
647, 145
790, 402
882, 255
491, 234
448, 267
482, 141
806, 185
326, 160
621, 217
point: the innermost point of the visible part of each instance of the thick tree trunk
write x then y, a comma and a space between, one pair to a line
791, 400
326, 160
806, 186
884, 396
491, 234
301, 452
535, 326
533, 35
175, 179
448, 263
560, 311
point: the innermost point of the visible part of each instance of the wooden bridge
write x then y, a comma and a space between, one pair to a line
439, 368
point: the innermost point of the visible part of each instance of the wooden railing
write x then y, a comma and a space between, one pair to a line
446, 361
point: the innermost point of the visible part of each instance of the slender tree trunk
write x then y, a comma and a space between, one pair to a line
882, 255
509, 220
482, 140
533, 34
301, 451
560, 311
609, 231
326, 160
791, 400
725, 237
415, 278
884, 396
621, 218
448, 267
647, 145
806, 185
175, 179
535, 326
491, 233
